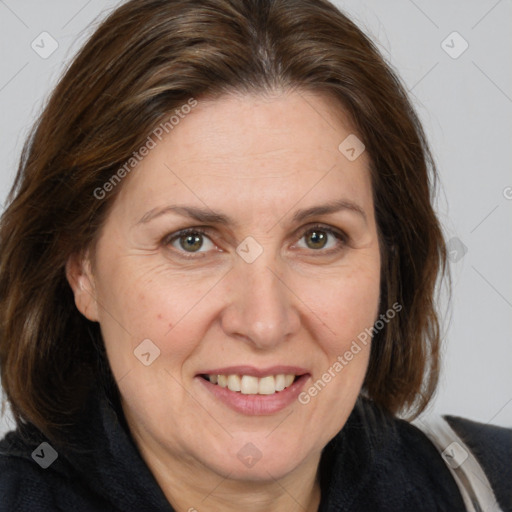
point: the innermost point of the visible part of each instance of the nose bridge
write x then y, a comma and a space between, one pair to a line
262, 310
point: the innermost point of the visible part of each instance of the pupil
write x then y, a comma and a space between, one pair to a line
318, 239
192, 242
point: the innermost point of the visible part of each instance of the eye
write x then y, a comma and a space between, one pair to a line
320, 237
191, 241
195, 240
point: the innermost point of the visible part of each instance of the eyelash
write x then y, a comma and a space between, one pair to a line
341, 237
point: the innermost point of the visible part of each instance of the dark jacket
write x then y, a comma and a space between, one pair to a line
375, 464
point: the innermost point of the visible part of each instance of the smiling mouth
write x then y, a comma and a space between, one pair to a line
251, 385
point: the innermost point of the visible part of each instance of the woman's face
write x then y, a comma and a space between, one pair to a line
278, 276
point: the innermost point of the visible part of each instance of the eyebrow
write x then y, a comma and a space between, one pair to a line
208, 216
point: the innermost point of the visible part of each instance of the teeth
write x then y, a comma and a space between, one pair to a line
267, 386
280, 382
250, 385
234, 383
288, 379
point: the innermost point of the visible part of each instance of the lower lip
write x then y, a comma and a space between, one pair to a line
257, 405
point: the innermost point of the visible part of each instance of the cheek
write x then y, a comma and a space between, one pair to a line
347, 305
348, 309
140, 302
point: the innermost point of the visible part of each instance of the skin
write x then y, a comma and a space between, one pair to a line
258, 159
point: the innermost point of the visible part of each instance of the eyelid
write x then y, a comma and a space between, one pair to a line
323, 227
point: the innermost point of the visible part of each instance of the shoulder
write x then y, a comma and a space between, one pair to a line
407, 469
22, 486
384, 463
34, 479
492, 447
422, 460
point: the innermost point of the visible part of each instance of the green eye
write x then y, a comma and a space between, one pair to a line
317, 239
191, 241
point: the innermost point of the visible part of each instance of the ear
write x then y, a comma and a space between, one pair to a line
81, 280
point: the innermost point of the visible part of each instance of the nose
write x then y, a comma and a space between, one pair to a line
262, 309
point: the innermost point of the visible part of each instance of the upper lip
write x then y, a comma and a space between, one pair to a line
255, 372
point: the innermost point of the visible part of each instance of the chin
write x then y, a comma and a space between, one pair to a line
252, 458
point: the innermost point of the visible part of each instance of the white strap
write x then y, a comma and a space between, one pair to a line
469, 475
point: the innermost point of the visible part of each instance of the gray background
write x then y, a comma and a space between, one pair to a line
465, 104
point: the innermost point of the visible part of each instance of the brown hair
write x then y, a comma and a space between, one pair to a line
147, 58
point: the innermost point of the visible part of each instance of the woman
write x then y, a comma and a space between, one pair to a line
217, 274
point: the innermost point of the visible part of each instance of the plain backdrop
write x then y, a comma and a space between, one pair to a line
454, 58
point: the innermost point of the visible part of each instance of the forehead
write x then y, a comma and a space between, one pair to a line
252, 151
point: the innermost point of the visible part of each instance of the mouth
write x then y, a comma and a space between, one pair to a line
253, 391
251, 385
